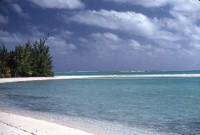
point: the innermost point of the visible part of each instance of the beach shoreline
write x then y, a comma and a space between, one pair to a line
15, 124
12, 124
25, 79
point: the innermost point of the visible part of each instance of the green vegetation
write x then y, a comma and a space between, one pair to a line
30, 60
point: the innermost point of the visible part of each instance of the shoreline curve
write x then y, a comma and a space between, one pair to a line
25, 79
12, 124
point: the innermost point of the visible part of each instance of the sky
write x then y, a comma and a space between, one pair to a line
107, 35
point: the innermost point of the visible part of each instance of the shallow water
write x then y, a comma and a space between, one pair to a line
111, 106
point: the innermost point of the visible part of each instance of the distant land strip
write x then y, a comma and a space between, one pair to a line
24, 79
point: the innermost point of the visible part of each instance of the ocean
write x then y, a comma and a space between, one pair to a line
111, 106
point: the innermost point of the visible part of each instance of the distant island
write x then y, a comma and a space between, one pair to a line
29, 60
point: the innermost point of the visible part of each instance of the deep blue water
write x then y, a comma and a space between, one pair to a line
111, 106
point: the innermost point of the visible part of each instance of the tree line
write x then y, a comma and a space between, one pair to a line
29, 60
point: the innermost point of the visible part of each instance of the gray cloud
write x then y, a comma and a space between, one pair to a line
16, 8
60, 46
3, 19
179, 32
11, 39
128, 22
60, 4
145, 3
172, 41
139, 53
131, 22
108, 49
108, 45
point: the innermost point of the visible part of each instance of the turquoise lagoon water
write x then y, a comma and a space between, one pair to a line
117, 106
125, 72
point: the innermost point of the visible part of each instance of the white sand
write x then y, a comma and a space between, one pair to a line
11, 124
23, 79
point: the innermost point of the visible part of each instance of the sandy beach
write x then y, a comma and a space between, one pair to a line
25, 79
11, 124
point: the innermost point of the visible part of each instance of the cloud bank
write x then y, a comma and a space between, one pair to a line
162, 34
132, 22
59, 4
145, 3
